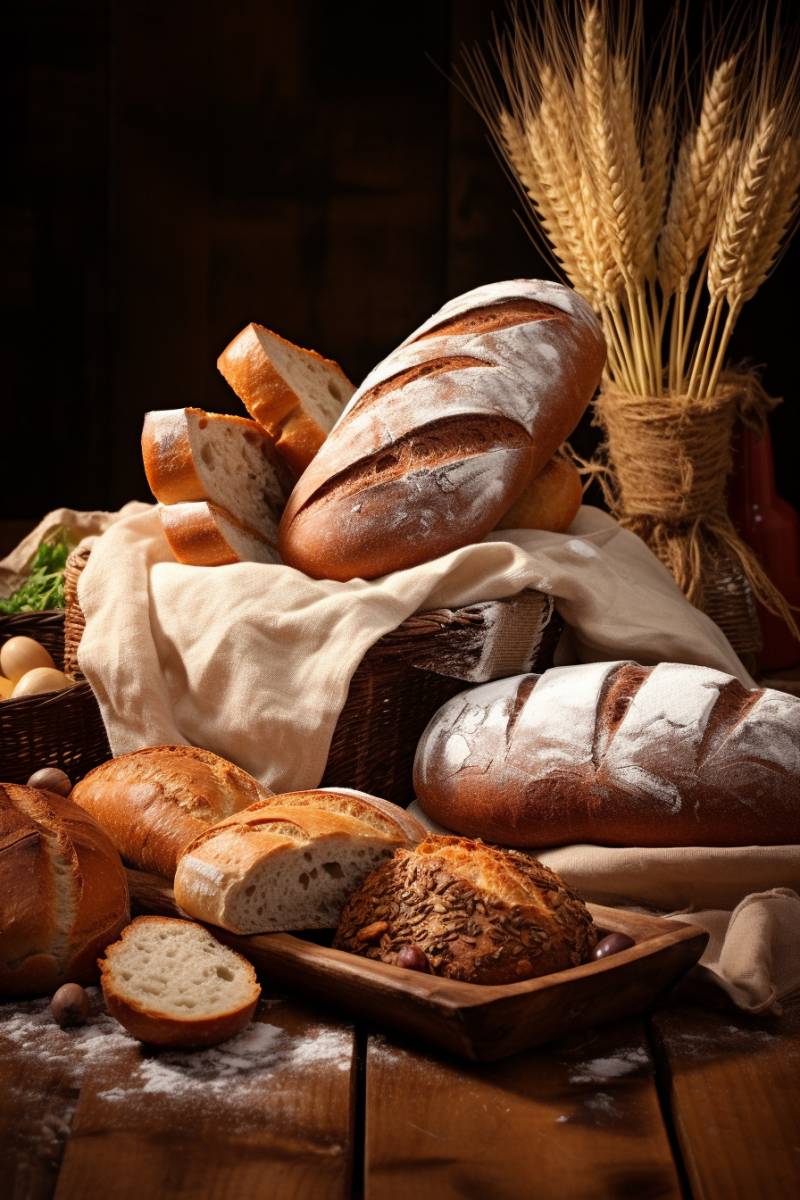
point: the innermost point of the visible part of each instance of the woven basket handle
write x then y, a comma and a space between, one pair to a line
490, 640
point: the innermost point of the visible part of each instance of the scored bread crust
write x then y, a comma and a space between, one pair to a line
270, 400
63, 892
161, 1029
549, 502
197, 538
478, 913
443, 436
152, 803
615, 754
213, 870
374, 811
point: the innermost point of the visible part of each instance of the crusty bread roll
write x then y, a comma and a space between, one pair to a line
550, 501
442, 437
153, 802
202, 535
295, 394
476, 913
170, 983
288, 862
615, 754
63, 892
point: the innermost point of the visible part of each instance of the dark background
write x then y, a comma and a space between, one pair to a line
177, 170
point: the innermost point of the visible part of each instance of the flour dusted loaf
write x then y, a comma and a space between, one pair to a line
153, 802
170, 983
295, 394
477, 913
446, 432
615, 754
290, 861
63, 892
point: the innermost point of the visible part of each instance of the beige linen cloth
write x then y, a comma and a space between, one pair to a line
254, 662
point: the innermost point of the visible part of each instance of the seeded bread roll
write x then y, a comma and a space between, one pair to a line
153, 802
63, 892
477, 913
443, 436
615, 754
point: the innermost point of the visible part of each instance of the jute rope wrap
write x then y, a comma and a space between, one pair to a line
663, 469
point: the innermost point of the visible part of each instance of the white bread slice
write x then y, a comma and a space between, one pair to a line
231, 462
269, 868
296, 394
171, 983
204, 535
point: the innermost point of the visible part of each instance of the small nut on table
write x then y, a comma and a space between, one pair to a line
70, 1005
51, 779
413, 959
373, 932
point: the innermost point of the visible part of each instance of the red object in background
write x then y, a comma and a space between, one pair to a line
771, 527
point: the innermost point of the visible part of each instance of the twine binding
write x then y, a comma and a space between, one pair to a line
663, 468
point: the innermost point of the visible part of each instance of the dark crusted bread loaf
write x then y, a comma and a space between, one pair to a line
477, 913
615, 754
443, 436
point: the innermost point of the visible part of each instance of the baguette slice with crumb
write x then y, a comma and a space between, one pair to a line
171, 983
204, 535
295, 394
271, 867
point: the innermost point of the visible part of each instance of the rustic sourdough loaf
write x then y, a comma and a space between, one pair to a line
288, 862
153, 802
615, 754
476, 913
443, 436
295, 394
203, 535
171, 983
63, 892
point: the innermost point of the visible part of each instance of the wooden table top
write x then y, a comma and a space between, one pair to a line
687, 1102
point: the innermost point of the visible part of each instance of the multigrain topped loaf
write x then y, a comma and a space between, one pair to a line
153, 802
477, 913
446, 432
615, 754
63, 892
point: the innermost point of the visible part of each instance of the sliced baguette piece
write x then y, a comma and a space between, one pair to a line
296, 394
379, 814
203, 535
230, 461
272, 868
171, 983
153, 802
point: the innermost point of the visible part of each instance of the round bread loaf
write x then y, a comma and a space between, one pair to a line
615, 754
153, 802
446, 432
63, 892
477, 913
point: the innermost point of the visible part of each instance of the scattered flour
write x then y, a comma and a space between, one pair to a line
599, 1070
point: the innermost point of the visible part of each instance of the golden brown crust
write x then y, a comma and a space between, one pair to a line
196, 538
373, 810
549, 502
268, 397
63, 892
158, 1029
478, 913
153, 802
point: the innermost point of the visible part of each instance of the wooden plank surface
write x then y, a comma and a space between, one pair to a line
734, 1092
581, 1119
267, 1114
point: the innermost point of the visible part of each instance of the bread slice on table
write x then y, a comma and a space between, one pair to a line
203, 535
296, 394
170, 983
153, 802
291, 866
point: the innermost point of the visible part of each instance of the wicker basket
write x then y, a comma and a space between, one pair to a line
398, 686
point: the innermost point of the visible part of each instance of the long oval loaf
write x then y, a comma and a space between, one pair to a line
615, 754
443, 436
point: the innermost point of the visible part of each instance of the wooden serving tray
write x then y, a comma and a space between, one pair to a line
476, 1021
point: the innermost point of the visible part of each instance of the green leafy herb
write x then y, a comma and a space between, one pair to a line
44, 587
